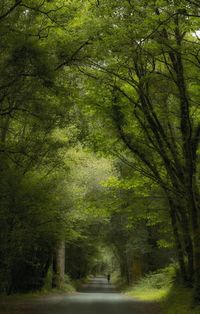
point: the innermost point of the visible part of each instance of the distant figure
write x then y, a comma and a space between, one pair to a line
108, 277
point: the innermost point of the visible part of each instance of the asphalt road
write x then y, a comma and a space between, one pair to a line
97, 297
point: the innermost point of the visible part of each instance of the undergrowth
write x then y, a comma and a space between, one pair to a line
67, 287
180, 301
154, 286
161, 287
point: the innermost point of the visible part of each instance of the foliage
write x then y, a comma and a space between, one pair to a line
99, 138
154, 286
142, 88
160, 286
34, 106
180, 300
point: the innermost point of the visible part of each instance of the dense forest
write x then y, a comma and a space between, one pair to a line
99, 140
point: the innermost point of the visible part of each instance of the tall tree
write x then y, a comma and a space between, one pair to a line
148, 70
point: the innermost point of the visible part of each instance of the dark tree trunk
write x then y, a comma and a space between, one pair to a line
188, 244
179, 247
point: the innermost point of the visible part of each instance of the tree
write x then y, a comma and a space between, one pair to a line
35, 108
149, 74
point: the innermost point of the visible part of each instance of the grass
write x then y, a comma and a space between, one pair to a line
14, 304
149, 294
36, 294
180, 301
154, 286
67, 287
160, 287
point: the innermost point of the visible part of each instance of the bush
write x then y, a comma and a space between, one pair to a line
159, 279
155, 285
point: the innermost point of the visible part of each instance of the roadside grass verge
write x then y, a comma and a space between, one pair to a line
160, 287
180, 301
154, 286
67, 287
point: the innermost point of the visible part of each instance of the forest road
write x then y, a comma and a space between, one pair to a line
96, 297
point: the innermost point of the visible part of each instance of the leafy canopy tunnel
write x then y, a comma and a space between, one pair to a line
99, 139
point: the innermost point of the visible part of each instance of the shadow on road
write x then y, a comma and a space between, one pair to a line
96, 297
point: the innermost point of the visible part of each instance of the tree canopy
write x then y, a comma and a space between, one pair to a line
99, 138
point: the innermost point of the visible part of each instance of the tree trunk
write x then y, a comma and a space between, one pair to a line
196, 243
137, 269
189, 250
59, 266
179, 247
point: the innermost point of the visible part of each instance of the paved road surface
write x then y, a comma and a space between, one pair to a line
97, 297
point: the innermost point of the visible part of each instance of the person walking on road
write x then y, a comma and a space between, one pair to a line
108, 278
